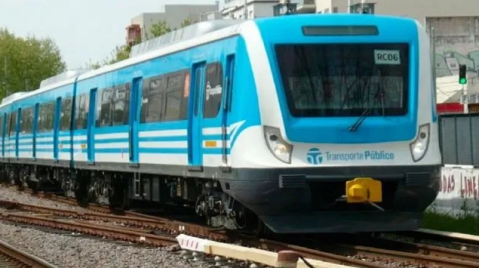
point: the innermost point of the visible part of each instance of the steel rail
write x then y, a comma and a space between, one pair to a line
14, 256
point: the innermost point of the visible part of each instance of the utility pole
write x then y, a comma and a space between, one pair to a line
349, 6
433, 64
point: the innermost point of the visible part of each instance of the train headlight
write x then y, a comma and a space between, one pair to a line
277, 145
420, 145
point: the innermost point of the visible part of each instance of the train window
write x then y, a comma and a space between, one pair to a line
154, 108
13, 123
166, 98
185, 96
66, 114
120, 105
81, 111
173, 101
1, 125
7, 131
152, 104
104, 107
26, 123
173, 97
46, 117
213, 90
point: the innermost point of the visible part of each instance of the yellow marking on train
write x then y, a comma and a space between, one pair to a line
83, 146
210, 143
362, 190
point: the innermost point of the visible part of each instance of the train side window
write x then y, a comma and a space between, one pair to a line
173, 97
120, 103
81, 111
41, 118
46, 117
144, 101
26, 121
7, 125
13, 123
185, 96
104, 107
66, 114
1, 125
152, 104
213, 90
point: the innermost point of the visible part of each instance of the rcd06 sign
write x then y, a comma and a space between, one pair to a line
388, 57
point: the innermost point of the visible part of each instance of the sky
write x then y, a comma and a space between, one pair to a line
84, 30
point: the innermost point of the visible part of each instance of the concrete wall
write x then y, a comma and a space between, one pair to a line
417, 9
174, 15
255, 9
459, 191
457, 42
145, 21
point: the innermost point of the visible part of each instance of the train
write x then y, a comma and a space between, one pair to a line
318, 123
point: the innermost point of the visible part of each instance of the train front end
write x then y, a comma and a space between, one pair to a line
349, 128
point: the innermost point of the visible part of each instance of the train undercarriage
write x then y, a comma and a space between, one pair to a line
201, 197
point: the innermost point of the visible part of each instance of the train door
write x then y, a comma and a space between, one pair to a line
134, 119
226, 107
195, 108
56, 128
91, 126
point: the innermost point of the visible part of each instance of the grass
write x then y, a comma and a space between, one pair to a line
466, 224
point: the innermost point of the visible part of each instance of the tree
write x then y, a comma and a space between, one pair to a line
187, 22
123, 52
28, 60
160, 28
120, 53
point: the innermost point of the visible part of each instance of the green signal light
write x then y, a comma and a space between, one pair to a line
463, 81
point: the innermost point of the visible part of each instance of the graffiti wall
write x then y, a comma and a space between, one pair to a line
457, 42
459, 191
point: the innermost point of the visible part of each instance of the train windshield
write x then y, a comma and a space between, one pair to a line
345, 79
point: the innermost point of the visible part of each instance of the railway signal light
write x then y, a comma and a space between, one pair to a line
462, 74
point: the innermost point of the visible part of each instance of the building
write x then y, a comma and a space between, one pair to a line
235, 9
212, 15
173, 15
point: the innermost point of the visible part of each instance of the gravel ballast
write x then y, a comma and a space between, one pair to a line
25, 198
75, 252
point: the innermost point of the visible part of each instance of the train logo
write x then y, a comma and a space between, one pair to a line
212, 91
314, 156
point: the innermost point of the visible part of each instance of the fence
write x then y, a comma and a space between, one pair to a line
459, 139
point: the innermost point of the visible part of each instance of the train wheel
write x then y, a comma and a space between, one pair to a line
81, 190
118, 200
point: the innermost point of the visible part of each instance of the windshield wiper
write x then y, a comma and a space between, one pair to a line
360, 120
363, 116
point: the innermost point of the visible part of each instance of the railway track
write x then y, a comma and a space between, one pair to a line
11, 257
370, 252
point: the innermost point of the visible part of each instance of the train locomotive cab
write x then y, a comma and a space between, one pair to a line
349, 134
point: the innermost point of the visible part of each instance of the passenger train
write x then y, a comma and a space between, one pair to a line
301, 124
